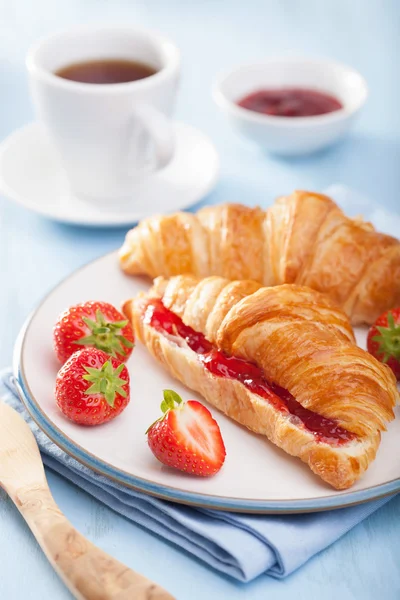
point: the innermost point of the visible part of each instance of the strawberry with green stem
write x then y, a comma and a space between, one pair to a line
96, 325
383, 340
187, 437
92, 387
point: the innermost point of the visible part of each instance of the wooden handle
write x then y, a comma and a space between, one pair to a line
88, 572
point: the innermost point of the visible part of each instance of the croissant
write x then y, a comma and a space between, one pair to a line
303, 238
281, 361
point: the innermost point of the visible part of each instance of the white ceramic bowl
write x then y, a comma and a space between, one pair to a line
291, 135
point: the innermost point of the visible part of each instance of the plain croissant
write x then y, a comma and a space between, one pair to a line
303, 238
299, 340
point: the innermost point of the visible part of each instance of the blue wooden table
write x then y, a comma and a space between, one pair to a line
35, 254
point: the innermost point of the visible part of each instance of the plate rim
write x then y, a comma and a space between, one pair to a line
131, 217
171, 493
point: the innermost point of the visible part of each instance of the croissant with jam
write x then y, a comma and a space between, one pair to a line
303, 238
281, 361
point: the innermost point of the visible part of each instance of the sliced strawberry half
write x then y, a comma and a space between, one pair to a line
187, 437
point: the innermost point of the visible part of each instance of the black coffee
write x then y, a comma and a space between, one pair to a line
106, 71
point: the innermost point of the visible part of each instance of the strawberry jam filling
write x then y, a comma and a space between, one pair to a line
165, 321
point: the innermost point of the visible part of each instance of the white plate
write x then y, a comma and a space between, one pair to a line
31, 174
256, 477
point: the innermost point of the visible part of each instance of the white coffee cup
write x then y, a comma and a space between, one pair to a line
108, 136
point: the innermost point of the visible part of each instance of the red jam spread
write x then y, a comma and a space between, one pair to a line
324, 429
290, 102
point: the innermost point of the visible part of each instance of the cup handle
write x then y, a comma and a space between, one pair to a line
153, 140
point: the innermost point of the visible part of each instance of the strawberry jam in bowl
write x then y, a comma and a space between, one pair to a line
290, 102
291, 106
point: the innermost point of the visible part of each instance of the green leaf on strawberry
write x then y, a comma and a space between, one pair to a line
105, 381
170, 399
105, 335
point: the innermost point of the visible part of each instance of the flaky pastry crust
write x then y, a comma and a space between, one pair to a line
303, 238
302, 341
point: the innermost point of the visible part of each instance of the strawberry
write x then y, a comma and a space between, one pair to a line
95, 324
92, 387
383, 340
187, 437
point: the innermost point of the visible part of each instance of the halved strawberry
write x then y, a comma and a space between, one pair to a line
92, 388
93, 324
187, 437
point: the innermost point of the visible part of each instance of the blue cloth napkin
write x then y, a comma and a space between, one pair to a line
242, 546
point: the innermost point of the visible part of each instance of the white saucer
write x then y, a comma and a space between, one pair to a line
31, 175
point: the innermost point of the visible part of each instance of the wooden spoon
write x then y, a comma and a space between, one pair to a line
88, 572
